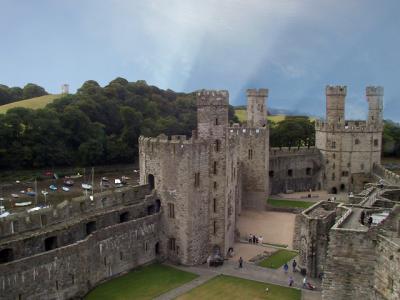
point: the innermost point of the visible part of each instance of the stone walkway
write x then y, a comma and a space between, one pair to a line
249, 271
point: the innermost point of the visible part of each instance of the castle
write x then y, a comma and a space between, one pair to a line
191, 193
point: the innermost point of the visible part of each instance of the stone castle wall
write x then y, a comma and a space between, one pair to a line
294, 169
81, 259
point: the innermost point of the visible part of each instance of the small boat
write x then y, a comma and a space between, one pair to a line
15, 195
86, 186
22, 192
105, 184
53, 187
4, 214
68, 182
27, 203
31, 193
65, 189
75, 176
104, 179
45, 192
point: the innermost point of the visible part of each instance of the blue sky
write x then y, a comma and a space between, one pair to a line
294, 48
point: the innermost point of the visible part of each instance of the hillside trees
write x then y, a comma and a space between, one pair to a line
97, 125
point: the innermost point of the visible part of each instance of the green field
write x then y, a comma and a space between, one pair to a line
242, 115
278, 259
33, 103
289, 203
144, 283
228, 287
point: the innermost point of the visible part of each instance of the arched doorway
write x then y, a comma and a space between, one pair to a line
342, 187
150, 181
334, 190
157, 248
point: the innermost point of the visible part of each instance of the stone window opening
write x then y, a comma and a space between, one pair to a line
121, 255
171, 210
271, 173
6, 255
215, 168
308, 171
290, 173
197, 179
333, 155
151, 209
333, 176
333, 145
157, 248
151, 181
214, 205
57, 285
146, 246
105, 260
43, 220
345, 173
215, 185
390, 284
90, 227
376, 143
217, 145
50, 243
357, 141
342, 187
14, 226
72, 278
124, 217
216, 121
172, 244
362, 166
215, 227
250, 154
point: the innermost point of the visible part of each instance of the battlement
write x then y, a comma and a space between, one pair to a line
212, 97
349, 126
257, 93
286, 151
336, 90
246, 131
374, 91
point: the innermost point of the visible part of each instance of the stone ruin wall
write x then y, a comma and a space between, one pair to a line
311, 236
252, 148
81, 260
174, 163
294, 169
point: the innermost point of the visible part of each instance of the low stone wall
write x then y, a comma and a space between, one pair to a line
73, 270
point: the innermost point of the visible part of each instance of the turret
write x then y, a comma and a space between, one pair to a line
335, 103
375, 104
212, 113
257, 107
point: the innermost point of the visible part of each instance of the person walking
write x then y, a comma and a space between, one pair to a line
362, 217
240, 262
286, 267
294, 265
305, 282
291, 281
370, 221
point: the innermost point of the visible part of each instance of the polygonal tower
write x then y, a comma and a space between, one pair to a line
375, 104
335, 104
256, 107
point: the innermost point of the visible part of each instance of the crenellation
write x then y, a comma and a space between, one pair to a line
336, 90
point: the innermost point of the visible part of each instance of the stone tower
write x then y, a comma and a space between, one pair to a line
335, 104
349, 148
212, 123
375, 104
257, 107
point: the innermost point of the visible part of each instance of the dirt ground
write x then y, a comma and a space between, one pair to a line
315, 196
274, 227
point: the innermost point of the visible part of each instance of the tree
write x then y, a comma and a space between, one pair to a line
32, 90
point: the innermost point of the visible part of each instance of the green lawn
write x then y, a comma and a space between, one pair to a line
242, 115
144, 283
228, 287
278, 259
289, 203
33, 103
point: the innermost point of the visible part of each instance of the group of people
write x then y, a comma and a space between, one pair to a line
363, 216
253, 239
306, 284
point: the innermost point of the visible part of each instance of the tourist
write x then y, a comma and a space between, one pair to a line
370, 221
240, 262
362, 217
250, 238
294, 265
260, 239
209, 261
305, 282
286, 267
291, 281
254, 239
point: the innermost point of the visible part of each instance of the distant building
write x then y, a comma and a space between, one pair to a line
65, 89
